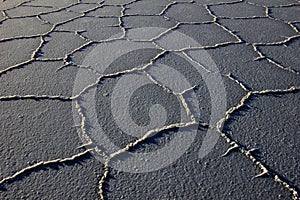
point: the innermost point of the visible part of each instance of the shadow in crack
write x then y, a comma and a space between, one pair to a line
43, 166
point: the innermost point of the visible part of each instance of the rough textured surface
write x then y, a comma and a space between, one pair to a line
255, 45
280, 153
214, 177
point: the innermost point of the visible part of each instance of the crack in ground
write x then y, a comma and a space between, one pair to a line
152, 132
234, 144
41, 165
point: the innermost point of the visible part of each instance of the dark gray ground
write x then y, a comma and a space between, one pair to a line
254, 43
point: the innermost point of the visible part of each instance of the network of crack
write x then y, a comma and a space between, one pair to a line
37, 12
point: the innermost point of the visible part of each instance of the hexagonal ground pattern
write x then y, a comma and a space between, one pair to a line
255, 45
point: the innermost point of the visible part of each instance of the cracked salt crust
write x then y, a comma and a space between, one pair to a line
43, 26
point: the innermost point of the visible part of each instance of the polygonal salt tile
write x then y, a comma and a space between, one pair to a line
82, 7
188, 13
24, 11
261, 30
91, 1
191, 73
257, 75
242, 9
53, 3
271, 124
288, 14
272, 2
103, 33
286, 55
60, 43
106, 11
117, 2
13, 52
10, 4
146, 7
88, 23
212, 177
49, 181
60, 16
204, 34
22, 27
39, 78
147, 21
38, 131
214, 1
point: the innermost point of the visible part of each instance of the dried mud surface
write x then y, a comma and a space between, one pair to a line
255, 45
